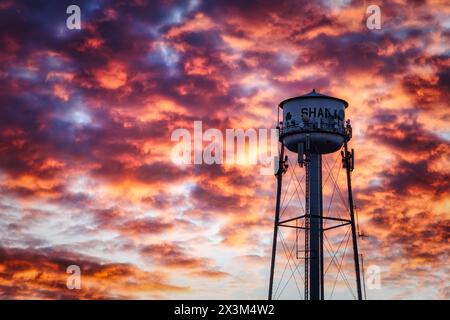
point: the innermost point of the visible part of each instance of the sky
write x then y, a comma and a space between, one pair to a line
86, 117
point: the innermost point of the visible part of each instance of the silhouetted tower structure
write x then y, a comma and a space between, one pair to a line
314, 124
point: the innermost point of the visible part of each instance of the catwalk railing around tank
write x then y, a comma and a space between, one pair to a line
330, 125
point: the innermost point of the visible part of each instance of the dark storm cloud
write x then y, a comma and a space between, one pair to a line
159, 172
210, 199
409, 177
41, 274
428, 95
359, 51
120, 220
406, 136
31, 191
422, 237
403, 133
234, 177
171, 255
262, 10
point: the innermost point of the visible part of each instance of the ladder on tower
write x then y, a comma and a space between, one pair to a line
307, 229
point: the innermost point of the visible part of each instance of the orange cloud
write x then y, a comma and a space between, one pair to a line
112, 77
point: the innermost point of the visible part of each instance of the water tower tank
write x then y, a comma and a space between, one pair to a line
318, 116
314, 124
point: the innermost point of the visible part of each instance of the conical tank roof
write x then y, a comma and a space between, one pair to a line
313, 94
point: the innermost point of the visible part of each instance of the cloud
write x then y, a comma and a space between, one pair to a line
171, 255
41, 274
86, 118
404, 133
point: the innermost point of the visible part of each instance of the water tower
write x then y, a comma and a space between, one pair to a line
313, 125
